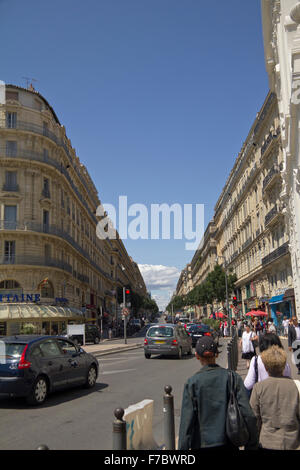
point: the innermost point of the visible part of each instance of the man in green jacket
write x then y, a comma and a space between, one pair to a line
204, 404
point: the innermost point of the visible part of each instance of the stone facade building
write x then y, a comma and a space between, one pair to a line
248, 233
49, 249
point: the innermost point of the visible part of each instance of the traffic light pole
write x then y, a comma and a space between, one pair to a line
124, 316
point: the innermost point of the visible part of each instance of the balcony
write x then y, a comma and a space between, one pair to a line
271, 138
41, 158
272, 216
51, 230
281, 251
44, 131
247, 243
271, 177
11, 187
35, 261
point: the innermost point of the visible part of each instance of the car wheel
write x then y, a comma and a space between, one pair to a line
38, 393
91, 377
147, 355
97, 340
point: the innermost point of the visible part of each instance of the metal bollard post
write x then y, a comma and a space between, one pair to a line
169, 425
229, 356
119, 430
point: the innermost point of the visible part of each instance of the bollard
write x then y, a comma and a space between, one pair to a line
119, 430
42, 447
169, 425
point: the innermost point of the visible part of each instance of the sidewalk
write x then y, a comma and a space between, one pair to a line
112, 346
242, 367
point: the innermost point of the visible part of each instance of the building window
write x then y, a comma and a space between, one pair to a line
11, 120
46, 188
11, 148
47, 252
46, 219
10, 181
10, 217
9, 284
47, 290
9, 252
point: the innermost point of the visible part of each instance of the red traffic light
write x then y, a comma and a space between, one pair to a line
127, 291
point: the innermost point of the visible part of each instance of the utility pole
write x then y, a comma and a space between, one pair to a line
124, 316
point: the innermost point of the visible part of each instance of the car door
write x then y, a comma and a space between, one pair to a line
77, 368
53, 363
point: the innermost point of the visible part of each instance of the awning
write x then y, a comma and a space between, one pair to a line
277, 299
35, 312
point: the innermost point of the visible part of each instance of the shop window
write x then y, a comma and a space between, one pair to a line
9, 284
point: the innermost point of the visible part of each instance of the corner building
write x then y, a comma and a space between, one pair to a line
53, 268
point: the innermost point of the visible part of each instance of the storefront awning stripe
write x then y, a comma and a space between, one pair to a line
277, 299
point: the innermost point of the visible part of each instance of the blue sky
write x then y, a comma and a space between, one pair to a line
157, 97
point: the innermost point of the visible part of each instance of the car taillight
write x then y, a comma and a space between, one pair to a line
207, 334
23, 364
145, 342
174, 342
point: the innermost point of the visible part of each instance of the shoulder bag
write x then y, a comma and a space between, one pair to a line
236, 428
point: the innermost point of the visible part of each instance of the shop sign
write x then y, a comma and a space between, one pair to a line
20, 298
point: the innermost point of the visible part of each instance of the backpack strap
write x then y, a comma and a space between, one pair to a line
256, 368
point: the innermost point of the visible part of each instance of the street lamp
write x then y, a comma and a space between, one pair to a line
226, 286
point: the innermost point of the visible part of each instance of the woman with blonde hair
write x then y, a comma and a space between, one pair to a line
276, 404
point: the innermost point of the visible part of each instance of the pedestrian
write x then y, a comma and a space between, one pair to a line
226, 332
205, 401
276, 405
257, 371
294, 340
271, 326
285, 324
257, 327
246, 344
239, 327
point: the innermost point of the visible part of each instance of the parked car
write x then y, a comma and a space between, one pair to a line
34, 366
136, 324
196, 331
92, 335
167, 340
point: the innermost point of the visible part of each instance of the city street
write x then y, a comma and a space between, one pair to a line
81, 419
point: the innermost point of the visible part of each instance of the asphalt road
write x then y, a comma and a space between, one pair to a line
81, 419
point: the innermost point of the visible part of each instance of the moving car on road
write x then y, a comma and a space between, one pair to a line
34, 366
196, 331
166, 340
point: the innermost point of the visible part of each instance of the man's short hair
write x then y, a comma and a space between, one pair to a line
274, 360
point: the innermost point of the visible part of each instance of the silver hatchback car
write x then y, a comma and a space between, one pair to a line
167, 340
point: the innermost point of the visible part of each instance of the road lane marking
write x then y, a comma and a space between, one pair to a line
117, 371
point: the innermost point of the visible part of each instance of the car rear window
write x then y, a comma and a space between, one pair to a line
160, 331
10, 352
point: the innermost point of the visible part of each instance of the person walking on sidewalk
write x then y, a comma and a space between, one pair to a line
257, 371
246, 344
294, 340
276, 404
205, 401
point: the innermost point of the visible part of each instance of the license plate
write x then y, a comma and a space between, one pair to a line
159, 342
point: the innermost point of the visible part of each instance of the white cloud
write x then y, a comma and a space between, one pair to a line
160, 281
